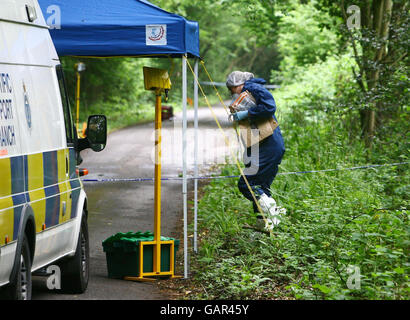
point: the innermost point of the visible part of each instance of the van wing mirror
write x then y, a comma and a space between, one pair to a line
96, 134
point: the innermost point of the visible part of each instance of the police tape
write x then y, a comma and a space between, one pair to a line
237, 176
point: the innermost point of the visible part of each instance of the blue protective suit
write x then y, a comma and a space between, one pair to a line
271, 149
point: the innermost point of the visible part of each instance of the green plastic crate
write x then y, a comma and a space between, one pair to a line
122, 254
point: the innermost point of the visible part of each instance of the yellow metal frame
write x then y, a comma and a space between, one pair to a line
156, 263
158, 77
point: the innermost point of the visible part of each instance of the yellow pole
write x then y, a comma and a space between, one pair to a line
78, 99
157, 186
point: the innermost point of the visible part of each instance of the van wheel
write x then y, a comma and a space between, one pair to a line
75, 271
20, 287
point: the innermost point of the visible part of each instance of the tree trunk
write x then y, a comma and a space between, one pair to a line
368, 125
376, 16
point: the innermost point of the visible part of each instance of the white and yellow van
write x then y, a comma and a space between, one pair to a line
43, 207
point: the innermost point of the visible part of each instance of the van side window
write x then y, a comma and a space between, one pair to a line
66, 106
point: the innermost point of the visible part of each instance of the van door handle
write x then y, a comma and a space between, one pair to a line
64, 208
66, 166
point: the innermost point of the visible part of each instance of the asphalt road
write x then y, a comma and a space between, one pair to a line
129, 206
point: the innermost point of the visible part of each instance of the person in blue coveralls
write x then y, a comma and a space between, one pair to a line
271, 149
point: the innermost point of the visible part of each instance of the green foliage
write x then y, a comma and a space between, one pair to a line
226, 42
308, 37
380, 46
110, 86
314, 88
334, 220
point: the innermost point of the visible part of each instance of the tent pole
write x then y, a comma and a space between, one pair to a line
196, 158
157, 184
184, 161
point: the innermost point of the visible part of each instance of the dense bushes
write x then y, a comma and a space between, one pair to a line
336, 221
346, 233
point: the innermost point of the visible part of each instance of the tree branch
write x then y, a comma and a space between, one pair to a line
399, 59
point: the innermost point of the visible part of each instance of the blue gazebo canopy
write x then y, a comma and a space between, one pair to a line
118, 28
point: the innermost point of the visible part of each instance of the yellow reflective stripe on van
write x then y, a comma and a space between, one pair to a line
6, 202
5, 181
62, 162
24, 178
36, 188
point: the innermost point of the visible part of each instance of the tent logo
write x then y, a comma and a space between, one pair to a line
156, 35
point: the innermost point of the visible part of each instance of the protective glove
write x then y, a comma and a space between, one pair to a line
240, 115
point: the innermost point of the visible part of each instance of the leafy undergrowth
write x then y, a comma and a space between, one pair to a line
345, 235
